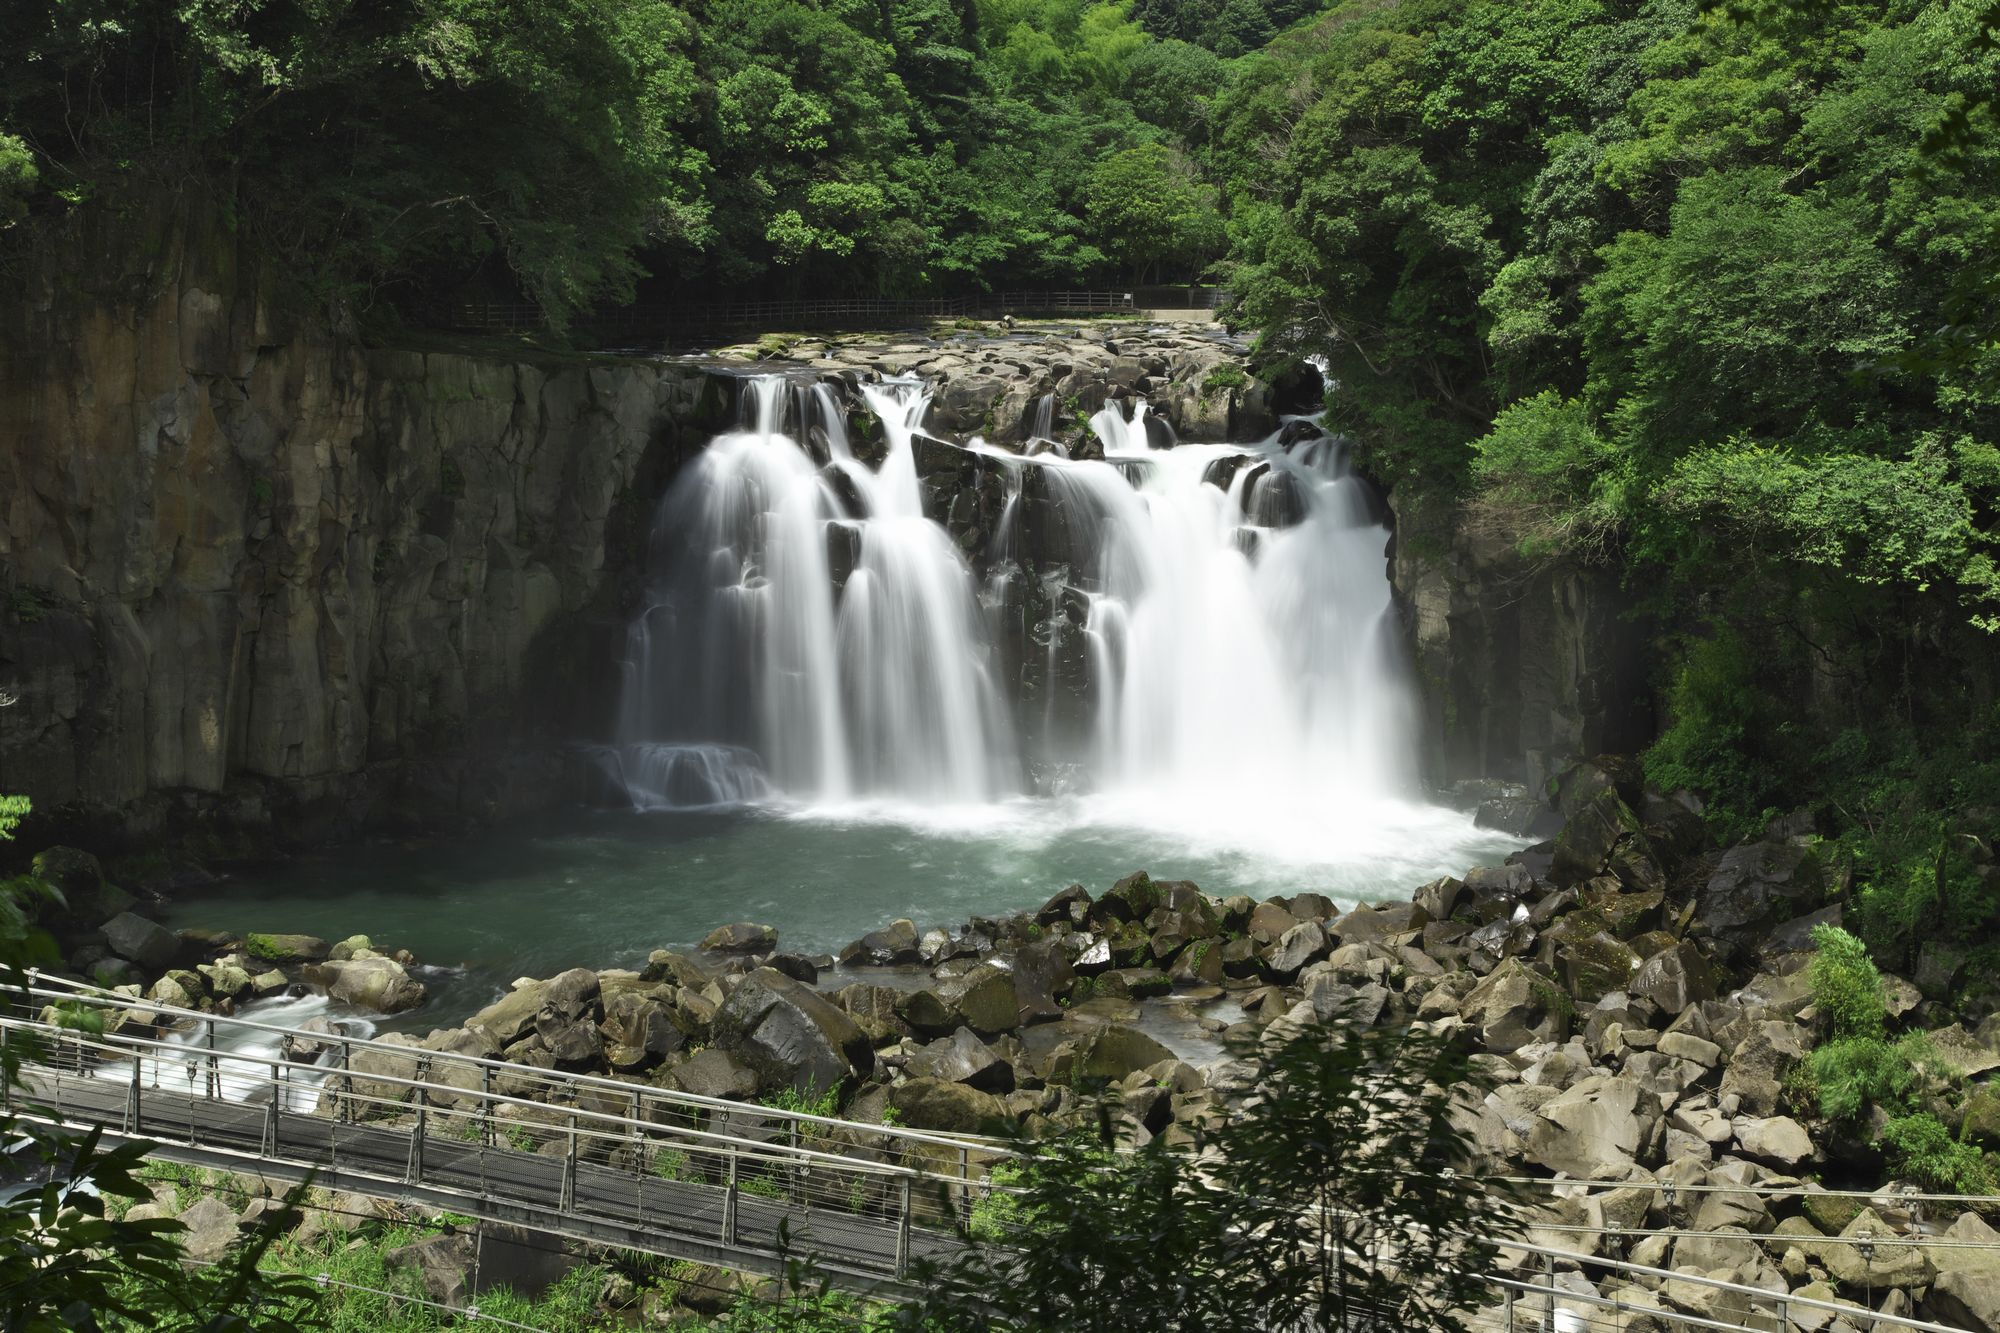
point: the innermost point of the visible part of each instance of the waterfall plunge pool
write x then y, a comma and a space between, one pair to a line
602, 889
1211, 638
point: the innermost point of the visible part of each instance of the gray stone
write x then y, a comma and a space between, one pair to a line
1304, 943
963, 1058
441, 1264
513, 1014
1509, 1007
378, 983
1760, 1064
714, 1073
147, 943
1780, 1141
1592, 1131
211, 1230
894, 945
928, 1103
1966, 1300
741, 937
1673, 979
790, 1035
1756, 884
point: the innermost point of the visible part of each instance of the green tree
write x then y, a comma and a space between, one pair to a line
1150, 210
65, 1262
1345, 1188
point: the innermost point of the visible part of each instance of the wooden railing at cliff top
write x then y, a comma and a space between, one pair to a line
666, 321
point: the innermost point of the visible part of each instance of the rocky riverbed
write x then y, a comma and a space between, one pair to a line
1637, 995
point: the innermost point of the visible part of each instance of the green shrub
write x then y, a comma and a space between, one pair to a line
1712, 742
1849, 1074
1920, 1147
1846, 987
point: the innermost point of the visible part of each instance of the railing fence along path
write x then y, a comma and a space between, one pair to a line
692, 318
594, 1158
673, 1173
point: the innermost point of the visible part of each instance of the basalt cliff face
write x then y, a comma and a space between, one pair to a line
259, 579
249, 570
1523, 664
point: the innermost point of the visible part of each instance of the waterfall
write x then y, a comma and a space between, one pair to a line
810, 634
753, 667
1045, 418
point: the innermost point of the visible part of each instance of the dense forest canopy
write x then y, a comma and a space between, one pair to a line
1701, 293
566, 147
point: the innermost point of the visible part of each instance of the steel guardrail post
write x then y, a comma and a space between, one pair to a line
132, 1097
729, 1204
414, 1171
485, 1106
268, 1145
569, 1170
214, 1086
903, 1229
346, 1106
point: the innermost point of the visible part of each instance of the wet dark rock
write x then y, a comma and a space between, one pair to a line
894, 945
1071, 904
741, 937
790, 1035
963, 1058
1756, 884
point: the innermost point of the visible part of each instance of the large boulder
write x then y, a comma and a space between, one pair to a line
1592, 834
1760, 1064
147, 943
791, 1035
376, 983
273, 948
894, 945
638, 1030
1107, 1054
512, 1016
440, 1264
1758, 884
1509, 1007
1885, 1264
1673, 979
714, 1073
963, 1058
211, 1231
928, 1103
1304, 943
1593, 1130
741, 937
1779, 1141
1966, 1300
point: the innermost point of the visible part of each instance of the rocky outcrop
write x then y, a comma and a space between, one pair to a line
1524, 663
249, 563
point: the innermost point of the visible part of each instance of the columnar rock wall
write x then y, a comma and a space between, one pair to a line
258, 566
1524, 664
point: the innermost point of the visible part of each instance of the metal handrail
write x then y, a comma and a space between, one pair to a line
1741, 1288
40, 986
775, 1153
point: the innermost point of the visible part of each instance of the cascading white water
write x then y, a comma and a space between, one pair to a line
813, 635
870, 683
